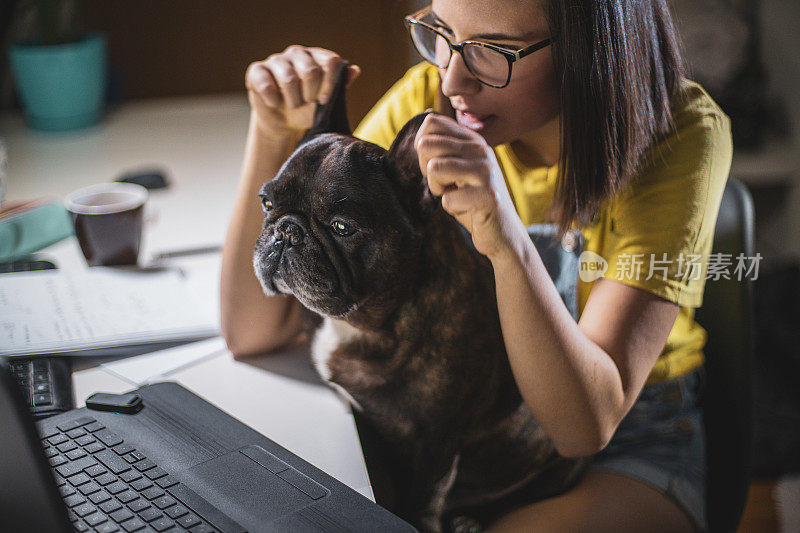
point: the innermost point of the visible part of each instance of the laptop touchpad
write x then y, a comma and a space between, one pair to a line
252, 486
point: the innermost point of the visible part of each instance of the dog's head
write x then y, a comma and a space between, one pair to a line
343, 220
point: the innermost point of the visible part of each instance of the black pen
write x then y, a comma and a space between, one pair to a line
187, 251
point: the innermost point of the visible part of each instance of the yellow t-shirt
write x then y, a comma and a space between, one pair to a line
655, 235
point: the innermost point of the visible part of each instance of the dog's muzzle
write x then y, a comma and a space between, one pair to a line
289, 232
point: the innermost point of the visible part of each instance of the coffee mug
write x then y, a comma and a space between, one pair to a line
108, 220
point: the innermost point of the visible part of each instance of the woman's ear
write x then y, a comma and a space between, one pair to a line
403, 159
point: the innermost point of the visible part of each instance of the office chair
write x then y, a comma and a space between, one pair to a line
727, 403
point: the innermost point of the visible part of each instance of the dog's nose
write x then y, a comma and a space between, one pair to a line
290, 232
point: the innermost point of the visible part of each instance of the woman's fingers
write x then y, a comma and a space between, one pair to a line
284, 88
436, 123
450, 156
431, 145
259, 81
296, 76
287, 78
353, 72
461, 168
308, 71
446, 172
330, 62
468, 199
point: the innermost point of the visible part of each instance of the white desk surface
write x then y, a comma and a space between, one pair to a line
199, 141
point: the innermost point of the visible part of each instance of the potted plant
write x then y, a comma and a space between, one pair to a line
59, 72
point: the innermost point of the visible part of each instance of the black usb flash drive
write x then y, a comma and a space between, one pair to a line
119, 403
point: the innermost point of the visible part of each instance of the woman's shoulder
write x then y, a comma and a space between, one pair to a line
693, 103
416, 91
419, 84
669, 209
423, 75
682, 176
698, 147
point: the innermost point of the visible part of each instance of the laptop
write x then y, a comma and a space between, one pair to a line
178, 464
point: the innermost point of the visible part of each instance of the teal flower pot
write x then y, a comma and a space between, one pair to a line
63, 86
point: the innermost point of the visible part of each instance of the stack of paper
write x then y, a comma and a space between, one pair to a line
99, 311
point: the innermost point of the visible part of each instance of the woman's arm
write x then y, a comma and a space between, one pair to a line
283, 91
252, 322
579, 379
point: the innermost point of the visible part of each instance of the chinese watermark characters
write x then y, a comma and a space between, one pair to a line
684, 267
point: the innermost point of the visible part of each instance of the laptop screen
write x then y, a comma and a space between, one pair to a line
29, 499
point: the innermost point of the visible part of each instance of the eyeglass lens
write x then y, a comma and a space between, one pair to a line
490, 66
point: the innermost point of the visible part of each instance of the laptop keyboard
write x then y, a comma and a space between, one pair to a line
109, 486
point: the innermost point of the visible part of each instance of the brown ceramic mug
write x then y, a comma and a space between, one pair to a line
108, 220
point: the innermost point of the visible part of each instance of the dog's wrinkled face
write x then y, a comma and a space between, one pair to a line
343, 219
342, 224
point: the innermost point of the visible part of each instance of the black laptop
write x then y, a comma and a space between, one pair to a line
178, 464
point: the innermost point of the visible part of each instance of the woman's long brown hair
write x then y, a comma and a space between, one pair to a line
620, 64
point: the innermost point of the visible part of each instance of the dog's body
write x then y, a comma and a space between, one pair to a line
411, 331
438, 384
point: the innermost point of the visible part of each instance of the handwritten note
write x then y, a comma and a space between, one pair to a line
61, 312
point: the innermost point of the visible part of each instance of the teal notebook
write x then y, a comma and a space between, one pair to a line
32, 226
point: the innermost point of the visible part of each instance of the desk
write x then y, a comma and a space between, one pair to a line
200, 142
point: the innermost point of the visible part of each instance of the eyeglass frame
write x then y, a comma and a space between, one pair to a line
510, 54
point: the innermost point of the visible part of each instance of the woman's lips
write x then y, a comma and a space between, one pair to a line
474, 122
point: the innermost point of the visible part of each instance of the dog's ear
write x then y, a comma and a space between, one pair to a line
331, 117
403, 159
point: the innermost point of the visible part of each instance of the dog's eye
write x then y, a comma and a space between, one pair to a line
266, 204
341, 228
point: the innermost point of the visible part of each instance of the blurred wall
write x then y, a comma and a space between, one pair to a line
180, 47
778, 214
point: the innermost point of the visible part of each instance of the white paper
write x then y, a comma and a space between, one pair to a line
155, 366
55, 311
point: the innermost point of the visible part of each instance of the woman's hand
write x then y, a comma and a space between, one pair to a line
461, 167
284, 88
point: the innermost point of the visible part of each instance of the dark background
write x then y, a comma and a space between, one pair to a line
161, 48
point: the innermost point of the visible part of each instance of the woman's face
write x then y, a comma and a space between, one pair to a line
530, 100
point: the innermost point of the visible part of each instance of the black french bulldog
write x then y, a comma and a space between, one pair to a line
409, 323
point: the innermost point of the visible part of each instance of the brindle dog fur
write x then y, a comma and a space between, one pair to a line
404, 318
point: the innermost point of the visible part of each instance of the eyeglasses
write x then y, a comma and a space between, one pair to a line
489, 63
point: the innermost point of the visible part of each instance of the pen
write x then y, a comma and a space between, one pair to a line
186, 251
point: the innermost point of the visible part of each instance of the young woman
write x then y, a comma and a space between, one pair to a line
568, 111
